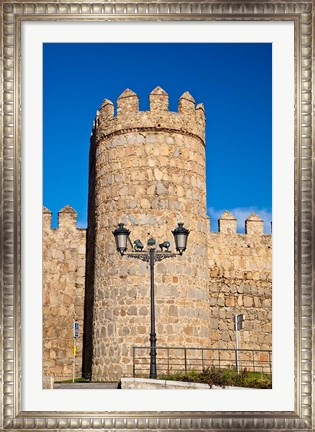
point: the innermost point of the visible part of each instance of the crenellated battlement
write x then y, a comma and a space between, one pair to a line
67, 219
190, 119
236, 258
227, 224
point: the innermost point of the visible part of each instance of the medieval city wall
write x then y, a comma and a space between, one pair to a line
63, 293
240, 282
147, 170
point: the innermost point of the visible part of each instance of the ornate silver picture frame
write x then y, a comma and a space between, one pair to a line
13, 14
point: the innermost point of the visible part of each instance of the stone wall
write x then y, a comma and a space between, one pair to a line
147, 170
63, 292
240, 283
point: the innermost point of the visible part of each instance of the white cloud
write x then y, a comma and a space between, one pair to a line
241, 214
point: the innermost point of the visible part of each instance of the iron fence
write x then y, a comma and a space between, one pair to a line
172, 360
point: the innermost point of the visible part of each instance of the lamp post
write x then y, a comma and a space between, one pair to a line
151, 255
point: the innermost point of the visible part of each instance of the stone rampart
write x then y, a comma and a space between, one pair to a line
147, 170
63, 292
240, 282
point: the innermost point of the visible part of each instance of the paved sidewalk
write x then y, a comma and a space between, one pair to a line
140, 383
146, 383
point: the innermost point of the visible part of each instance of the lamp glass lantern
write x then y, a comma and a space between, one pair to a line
121, 237
180, 236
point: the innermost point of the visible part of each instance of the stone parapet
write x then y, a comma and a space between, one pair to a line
47, 216
254, 225
189, 120
227, 223
67, 218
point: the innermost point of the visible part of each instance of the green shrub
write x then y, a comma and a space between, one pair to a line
224, 377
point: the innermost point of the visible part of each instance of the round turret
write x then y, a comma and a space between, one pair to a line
147, 170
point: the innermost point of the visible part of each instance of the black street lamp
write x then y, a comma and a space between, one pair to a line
121, 236
151, 255
180, 236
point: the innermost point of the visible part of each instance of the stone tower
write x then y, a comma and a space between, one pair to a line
147, 170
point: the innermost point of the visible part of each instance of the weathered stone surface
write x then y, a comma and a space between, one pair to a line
254, 225
147, 170
172, 151
63, 292
240, 270
227, 223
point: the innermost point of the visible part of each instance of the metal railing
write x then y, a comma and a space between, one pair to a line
172, 360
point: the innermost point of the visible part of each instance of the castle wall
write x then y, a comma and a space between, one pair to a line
63, 293
149, 174
147, 170
240, 282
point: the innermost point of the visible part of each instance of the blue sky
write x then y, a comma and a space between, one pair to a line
232, 80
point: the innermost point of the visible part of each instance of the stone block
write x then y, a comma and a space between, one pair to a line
248, 301
230, 301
